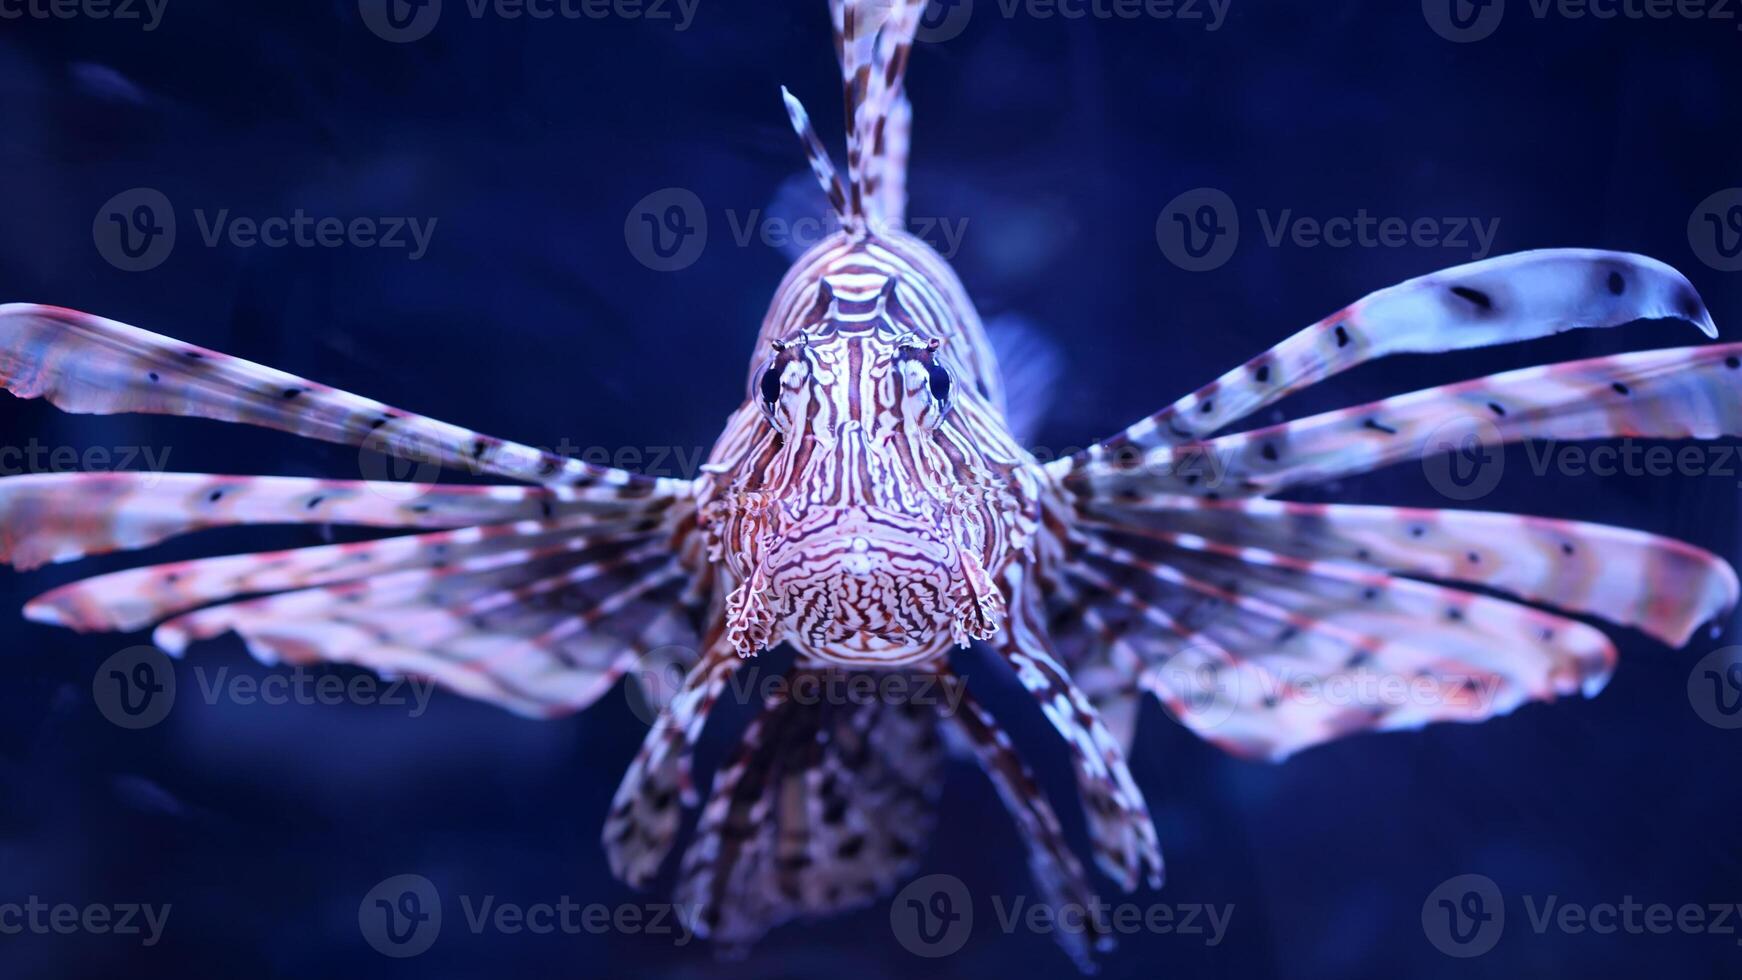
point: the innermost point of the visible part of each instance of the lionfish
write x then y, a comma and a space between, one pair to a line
868, 506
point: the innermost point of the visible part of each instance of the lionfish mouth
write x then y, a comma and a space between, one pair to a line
870, 642
863, 585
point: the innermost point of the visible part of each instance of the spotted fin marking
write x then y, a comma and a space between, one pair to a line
1056, 872
1266, 655
1271, 597
540, 627
448, 589
1663, 587
133, 599
542, 632
647, 810
1120, 830
87, 364
1496, 301
1683, 393
60, 517
826, 807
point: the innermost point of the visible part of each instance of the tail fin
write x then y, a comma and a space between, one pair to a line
873, 40
827, 806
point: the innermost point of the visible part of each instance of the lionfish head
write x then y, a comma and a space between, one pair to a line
868, 518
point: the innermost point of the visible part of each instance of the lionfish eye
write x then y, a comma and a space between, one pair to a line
770, 385
940, 382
